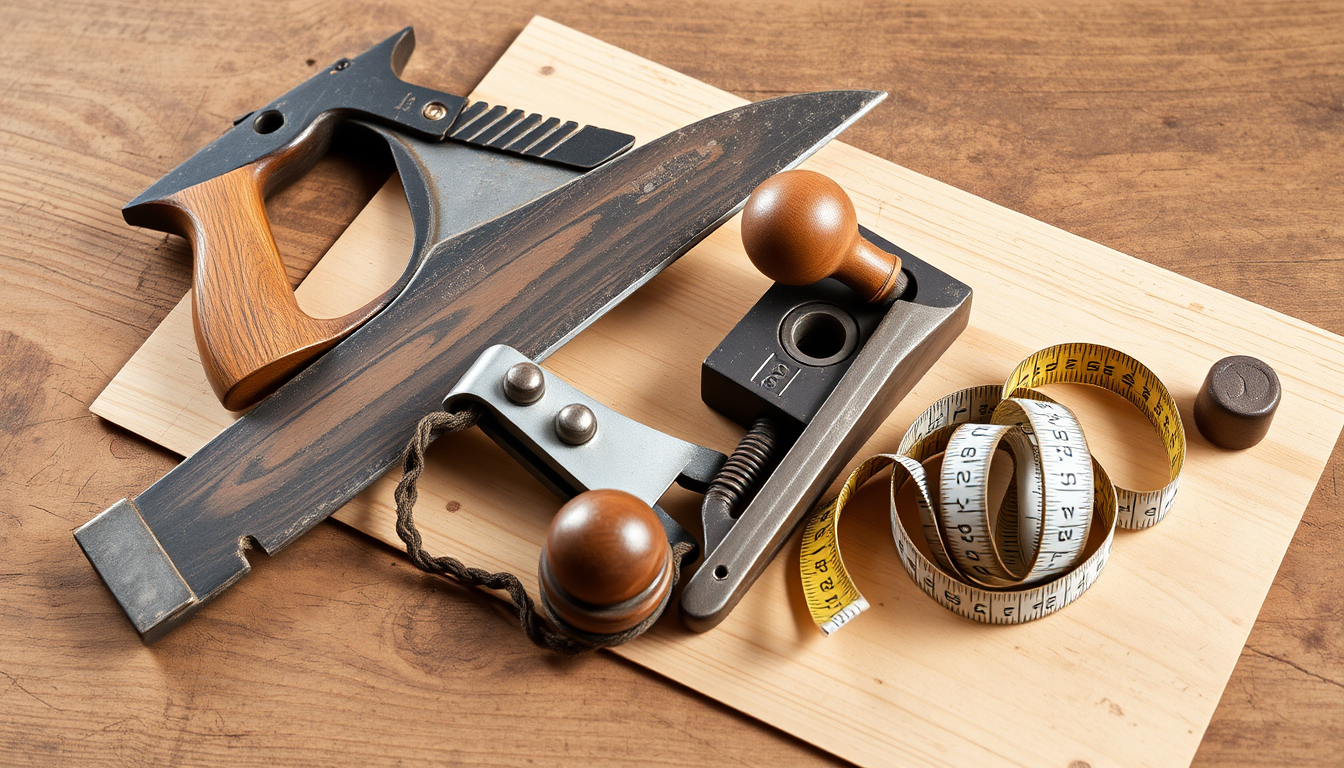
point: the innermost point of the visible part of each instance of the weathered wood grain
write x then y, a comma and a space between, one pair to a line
528, 279
1202, 138
1184, 616
251, 333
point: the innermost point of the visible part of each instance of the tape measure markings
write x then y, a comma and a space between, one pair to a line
977, 552
1011, 605
1066, 486
1121, 374
1023, 563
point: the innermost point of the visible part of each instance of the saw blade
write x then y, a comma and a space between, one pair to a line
531, 279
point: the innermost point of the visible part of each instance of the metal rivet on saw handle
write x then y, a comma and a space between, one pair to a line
524, 383
434, 111
575, 424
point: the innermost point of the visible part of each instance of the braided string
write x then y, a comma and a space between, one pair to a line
569, 642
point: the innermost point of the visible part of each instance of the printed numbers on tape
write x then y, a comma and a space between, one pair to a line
1029, 559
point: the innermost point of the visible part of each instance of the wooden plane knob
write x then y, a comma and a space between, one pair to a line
606, 564
799, 227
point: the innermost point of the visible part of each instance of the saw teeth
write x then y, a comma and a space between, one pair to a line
532, 135
510, 130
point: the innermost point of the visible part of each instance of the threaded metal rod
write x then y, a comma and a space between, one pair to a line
743, 471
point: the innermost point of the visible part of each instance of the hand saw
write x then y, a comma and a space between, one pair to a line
530, 278
459, 167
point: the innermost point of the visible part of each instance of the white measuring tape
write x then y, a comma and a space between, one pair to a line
1030, 559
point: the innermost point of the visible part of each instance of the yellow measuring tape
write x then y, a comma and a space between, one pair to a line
1030, 559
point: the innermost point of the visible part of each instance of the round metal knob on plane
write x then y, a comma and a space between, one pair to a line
799, 227
606, 565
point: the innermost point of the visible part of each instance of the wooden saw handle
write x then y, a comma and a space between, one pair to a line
250, 331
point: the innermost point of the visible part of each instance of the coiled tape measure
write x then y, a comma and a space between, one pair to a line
1028, 560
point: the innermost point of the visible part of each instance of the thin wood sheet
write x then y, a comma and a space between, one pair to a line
1130, 675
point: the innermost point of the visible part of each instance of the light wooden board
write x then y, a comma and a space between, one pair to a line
1130, 675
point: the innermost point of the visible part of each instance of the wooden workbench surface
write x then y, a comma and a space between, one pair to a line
1207, 140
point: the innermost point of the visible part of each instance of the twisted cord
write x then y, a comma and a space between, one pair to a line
538, 631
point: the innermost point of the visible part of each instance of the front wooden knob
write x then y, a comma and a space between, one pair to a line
606, 564
799, 227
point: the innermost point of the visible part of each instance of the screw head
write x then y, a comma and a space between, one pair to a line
575, 424
434, 111
524, 383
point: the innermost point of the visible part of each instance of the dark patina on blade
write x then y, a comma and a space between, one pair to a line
530, 279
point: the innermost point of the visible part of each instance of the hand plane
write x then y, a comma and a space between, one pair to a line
531, 276
460, 165
851, 325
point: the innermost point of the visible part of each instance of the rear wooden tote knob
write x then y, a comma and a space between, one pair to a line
606, 564
799, 227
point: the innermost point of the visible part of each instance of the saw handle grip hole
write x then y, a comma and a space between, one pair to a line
269, 121
355, 165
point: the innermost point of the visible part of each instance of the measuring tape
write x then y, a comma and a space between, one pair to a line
1030, 559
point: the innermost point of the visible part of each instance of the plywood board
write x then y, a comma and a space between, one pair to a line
1129, 675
